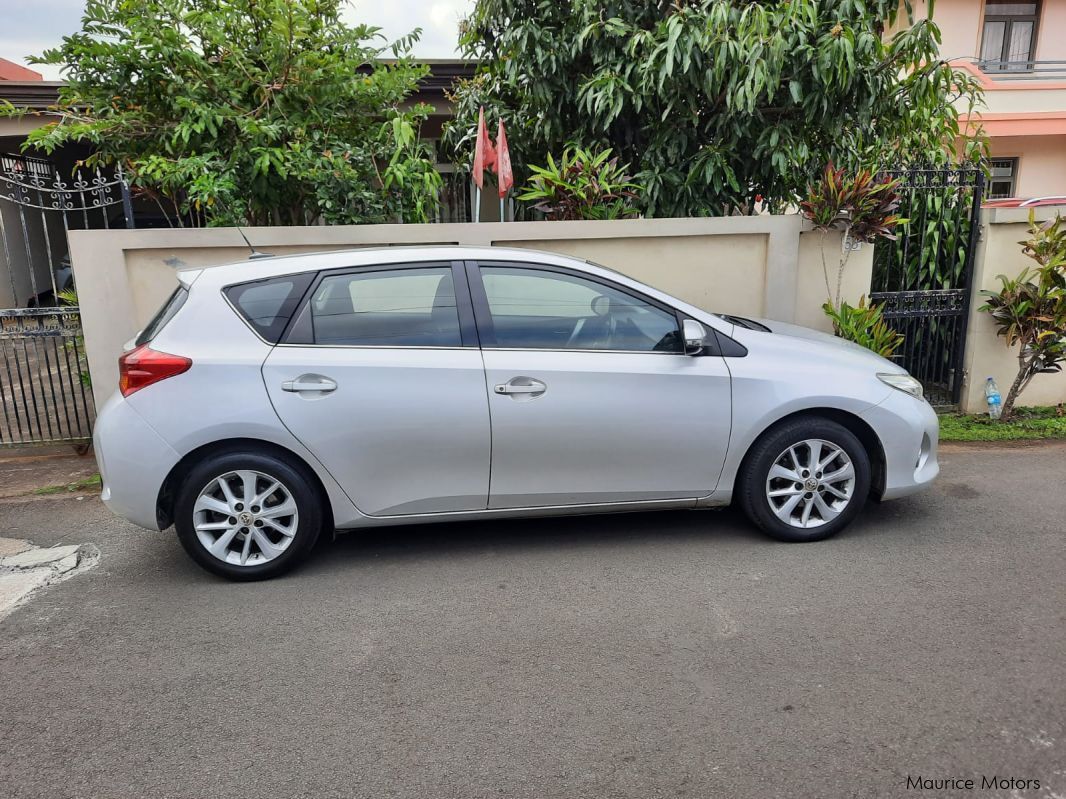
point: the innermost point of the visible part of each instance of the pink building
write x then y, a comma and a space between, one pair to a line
1018, 52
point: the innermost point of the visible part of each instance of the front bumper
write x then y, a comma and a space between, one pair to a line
909, 431
134, 461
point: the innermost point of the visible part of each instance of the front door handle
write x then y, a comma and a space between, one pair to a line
521, 385
316, 383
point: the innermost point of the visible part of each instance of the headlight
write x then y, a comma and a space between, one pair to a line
904, 383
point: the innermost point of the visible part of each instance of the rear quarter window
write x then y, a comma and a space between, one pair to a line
267, 305
163, 315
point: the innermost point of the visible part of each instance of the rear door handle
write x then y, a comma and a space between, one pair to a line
521, 385
316, 383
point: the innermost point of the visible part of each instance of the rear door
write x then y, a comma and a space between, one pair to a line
592, 398
381, 378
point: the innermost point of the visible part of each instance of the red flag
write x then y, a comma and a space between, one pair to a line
484, 153
503, 162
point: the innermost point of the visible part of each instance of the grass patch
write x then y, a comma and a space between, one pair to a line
1028, 423
70, 488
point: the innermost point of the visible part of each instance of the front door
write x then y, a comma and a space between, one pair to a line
592, 399
382, 381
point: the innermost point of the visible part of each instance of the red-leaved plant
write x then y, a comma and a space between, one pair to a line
863, 206
1029, 311
583, 184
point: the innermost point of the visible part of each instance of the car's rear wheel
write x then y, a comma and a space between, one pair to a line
247, 516
805, 480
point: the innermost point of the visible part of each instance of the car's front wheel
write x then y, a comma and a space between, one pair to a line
247, 516
805, 480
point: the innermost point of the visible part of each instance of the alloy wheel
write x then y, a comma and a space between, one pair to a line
245, 518
810, 483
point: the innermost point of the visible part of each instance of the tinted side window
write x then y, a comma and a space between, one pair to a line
163, 315
536, 309
267, 305
392, 308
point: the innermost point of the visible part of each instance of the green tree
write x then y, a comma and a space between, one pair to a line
253, 111
713, 102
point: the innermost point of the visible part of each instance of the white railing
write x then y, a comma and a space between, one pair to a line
1022, 70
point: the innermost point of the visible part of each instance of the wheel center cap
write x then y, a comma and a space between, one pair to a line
245, 518
811, 484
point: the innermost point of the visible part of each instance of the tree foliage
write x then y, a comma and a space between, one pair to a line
256, 111
1029, 310
713, 102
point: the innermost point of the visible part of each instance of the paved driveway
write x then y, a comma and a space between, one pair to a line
677, 654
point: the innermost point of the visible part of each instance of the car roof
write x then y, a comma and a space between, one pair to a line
257, 268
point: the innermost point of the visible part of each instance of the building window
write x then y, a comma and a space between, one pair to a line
1004, 176
1008, 39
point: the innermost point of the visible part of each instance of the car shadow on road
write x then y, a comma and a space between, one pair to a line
725, 528
615, 530
718, 527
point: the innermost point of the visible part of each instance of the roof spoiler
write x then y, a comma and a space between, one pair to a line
186, 277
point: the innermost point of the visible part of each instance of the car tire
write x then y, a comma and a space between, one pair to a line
232, 527
792, 500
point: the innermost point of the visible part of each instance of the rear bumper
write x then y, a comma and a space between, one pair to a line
134, 461
909, 433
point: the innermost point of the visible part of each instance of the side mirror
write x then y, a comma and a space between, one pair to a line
695, 337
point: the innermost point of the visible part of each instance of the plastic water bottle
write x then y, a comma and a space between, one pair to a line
995, 404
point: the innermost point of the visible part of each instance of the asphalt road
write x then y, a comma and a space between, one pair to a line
672, 655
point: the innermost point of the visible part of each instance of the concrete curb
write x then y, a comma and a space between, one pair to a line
1010, 443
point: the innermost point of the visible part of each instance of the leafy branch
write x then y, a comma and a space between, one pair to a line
249, 111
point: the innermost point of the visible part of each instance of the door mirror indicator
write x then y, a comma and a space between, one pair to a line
695, 337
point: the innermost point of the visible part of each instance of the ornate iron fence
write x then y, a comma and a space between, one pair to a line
43, 380
922, 280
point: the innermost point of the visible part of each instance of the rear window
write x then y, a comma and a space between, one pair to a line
163, 315
267, 305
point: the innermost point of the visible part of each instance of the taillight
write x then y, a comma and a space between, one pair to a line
143, 366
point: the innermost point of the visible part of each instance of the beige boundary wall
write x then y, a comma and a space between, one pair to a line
764, 266
987, 355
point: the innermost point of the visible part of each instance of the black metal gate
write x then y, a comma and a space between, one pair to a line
922, 280
44, 394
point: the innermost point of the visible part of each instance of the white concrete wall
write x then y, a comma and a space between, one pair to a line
768, 266
987, 355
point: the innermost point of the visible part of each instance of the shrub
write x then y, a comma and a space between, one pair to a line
864, 207
582, 185
864, 325
69, 298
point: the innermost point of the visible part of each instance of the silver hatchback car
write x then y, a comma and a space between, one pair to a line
272, 400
